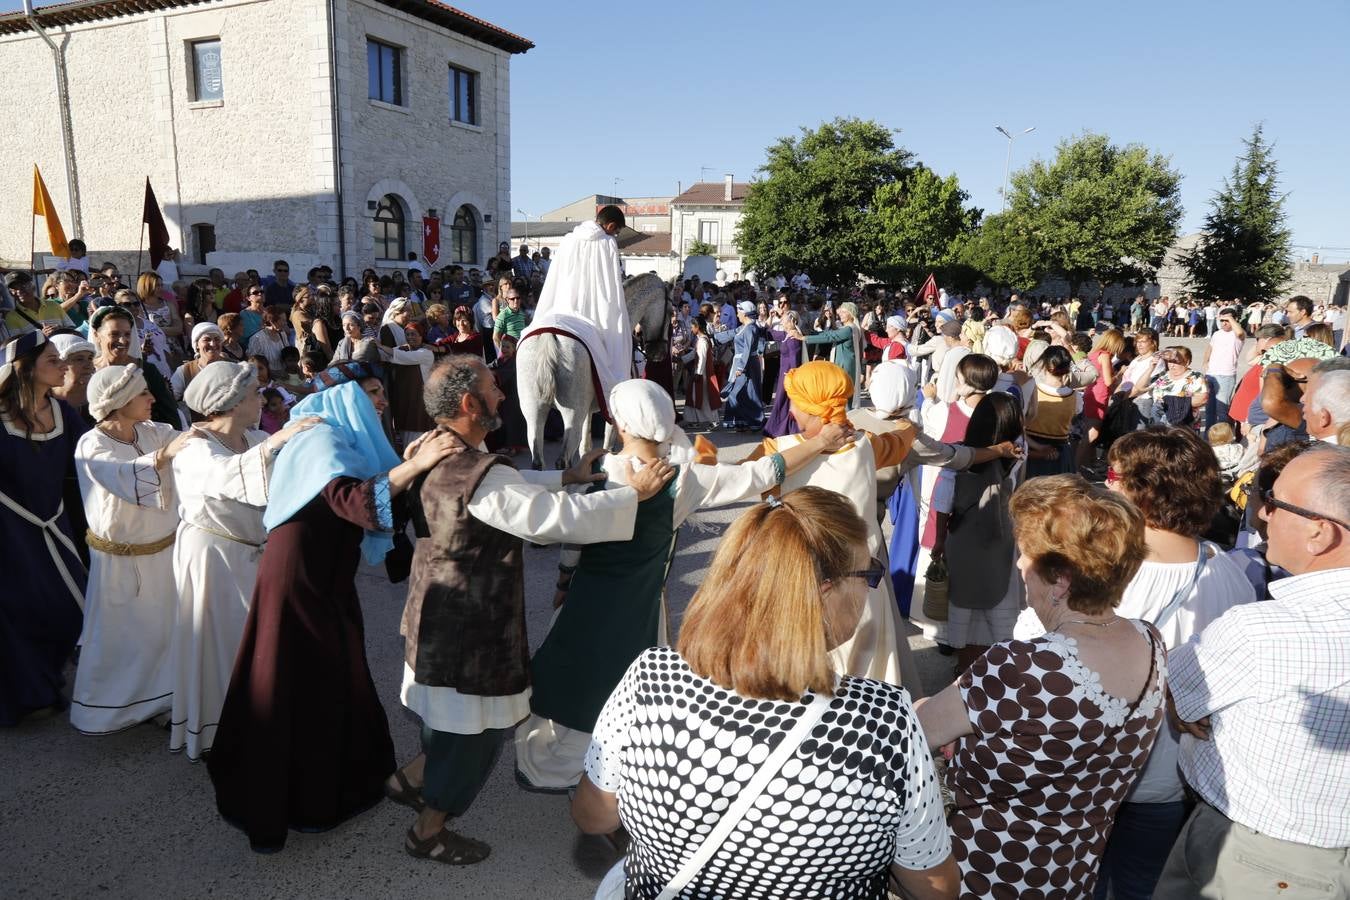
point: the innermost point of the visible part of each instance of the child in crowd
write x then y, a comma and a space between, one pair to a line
311, 364
275, 415
291, 378
1228, 451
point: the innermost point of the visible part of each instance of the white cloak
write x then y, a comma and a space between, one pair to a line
584, 297
123, 677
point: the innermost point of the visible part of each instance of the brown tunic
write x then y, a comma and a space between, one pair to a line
464, 621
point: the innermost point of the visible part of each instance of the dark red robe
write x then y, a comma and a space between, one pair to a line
303, 741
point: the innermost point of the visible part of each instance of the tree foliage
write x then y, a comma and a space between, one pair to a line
1098, 211
816, 206
923, 218
1004, 252
700, 248
1244, 251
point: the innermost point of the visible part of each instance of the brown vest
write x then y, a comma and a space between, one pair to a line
464, 622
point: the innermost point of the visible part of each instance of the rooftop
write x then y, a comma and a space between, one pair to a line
79, 11
711, 193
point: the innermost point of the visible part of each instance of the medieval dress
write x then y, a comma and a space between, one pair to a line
303, 740
124, 676
845, 343
703, 393
615, 609
40, 604
467, 663
221, 495
744, 408
780, 415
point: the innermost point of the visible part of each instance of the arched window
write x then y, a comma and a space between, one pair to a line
389, 229
464, 236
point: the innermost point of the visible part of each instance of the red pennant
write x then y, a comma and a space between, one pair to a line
929, 291
431, 239
159, 232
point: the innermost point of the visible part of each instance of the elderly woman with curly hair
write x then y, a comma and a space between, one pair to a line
1054, 731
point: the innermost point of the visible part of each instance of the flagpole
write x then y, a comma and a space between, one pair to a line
140, 246
32, 246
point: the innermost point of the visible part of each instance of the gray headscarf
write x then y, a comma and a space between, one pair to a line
220, 387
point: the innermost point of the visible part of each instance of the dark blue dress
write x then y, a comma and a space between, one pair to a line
744, 408
44, 580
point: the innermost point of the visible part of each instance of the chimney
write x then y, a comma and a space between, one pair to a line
1314, 259
726, 188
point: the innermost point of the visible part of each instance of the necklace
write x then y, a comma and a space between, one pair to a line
1110, 621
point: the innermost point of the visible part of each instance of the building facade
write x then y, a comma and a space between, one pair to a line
310, 130
710, 212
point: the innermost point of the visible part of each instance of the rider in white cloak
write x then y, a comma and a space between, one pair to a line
583, 297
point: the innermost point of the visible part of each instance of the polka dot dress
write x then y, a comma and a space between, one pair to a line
859, 794
1052, 757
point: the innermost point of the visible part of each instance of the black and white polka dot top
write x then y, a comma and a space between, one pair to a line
859, 794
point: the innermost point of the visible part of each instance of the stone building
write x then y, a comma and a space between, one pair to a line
649, 214
314, 130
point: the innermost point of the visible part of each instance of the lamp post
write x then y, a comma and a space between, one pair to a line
1007, 164
527, 223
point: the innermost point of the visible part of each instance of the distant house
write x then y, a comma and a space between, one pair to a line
710, 212
313, 131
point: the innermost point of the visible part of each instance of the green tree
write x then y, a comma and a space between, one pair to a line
1004, 252
701, 248
923, 218
1244, 251
1098, 211
815, 207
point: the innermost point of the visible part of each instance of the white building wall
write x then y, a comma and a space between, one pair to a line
684, 230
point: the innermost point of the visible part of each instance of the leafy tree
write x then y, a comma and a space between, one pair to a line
923, 216
1244, 249
815, 207
1098, 211
701, 248
1004, 251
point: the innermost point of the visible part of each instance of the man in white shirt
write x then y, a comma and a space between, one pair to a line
1264, 698
1221, 359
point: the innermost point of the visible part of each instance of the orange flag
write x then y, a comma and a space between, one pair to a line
42, 206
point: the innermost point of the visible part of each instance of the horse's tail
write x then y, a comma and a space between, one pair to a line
536, 365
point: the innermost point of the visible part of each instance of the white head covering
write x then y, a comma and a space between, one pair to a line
895, 322
1031, 357
1000, 344
892, 387
947, 387
748, 308
112, 388
67, 344
202, 328
644, 410
219, 387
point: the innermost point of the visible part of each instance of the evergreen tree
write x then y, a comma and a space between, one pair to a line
1243, 253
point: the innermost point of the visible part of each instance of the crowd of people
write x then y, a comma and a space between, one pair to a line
1132, 560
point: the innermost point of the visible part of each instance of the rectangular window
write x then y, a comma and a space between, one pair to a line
464, 96
206, 78
204, 240
385, 66
710, 231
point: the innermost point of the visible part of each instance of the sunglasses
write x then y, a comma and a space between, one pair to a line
1268, 498
873, 574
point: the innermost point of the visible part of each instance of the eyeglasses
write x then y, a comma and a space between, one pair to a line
1268, 498
255, 293
874, 572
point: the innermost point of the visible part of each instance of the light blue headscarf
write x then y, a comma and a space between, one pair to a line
350, 442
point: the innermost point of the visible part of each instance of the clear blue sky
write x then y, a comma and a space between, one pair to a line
650, 93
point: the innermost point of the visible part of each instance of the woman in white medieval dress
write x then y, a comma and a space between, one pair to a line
222, 484
123, 677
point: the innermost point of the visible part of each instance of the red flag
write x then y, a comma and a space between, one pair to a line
929, 291
431, 239
159, 232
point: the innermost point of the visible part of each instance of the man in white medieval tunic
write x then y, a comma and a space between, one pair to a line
584, 297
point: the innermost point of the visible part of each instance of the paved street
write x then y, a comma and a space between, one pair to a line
119, 816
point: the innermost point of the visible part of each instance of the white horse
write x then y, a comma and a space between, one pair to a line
554, 370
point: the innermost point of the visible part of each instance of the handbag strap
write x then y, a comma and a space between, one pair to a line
1166, 613
747, 796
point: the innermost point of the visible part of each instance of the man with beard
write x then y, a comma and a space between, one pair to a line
467, 664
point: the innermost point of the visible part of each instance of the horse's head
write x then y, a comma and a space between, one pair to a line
649, 306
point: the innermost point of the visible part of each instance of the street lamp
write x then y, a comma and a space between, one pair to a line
1007, 165
527, 223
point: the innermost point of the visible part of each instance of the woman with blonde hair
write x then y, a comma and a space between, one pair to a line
846, 345
1051, 734
166, 335
749, 700
1097, 398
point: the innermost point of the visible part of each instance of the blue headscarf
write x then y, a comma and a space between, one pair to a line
350, 442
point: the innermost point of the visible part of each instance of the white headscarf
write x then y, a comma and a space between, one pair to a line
1000, 344
644, 410
220, 387
947, 387
892, 387
202, 328
67, 344
112, 388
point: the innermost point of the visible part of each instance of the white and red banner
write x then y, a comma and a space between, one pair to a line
431, 240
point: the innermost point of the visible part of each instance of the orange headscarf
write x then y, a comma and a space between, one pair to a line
820, 388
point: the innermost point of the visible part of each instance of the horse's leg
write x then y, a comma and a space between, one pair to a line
576, 437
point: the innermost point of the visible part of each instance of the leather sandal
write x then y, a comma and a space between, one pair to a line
405, 794
445, 846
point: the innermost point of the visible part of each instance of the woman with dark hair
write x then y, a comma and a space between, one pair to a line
1048, 449
268, 342
703, 392
42, 600
984, 599
780, 421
